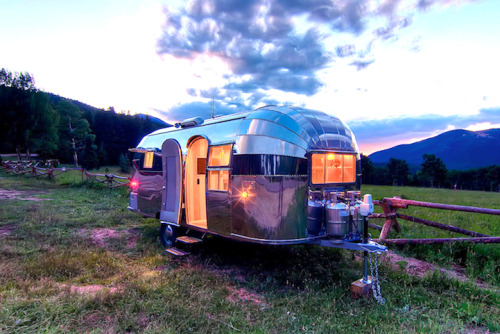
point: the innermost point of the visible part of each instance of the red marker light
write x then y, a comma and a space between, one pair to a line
134, 185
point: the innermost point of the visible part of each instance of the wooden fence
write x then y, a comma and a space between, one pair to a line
37, 170
390, 206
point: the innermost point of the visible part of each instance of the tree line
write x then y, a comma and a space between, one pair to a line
432, 173
33, 121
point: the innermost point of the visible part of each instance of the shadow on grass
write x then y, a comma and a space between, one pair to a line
270, 268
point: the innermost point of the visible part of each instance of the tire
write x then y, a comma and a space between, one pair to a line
168, 234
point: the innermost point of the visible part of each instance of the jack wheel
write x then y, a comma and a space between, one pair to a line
168, 234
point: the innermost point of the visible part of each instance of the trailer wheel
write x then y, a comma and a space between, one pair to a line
168, 234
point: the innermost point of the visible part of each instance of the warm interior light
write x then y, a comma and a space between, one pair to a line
148, 159
333, 168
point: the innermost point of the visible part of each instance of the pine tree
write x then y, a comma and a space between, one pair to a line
73, 129
124, 163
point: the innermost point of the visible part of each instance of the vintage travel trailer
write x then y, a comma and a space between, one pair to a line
274, 175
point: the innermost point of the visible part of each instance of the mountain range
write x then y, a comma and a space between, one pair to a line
155, 120
458, 149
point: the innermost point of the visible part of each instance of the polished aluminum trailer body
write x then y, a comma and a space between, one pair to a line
250, 176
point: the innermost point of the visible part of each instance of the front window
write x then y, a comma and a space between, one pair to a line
333, 168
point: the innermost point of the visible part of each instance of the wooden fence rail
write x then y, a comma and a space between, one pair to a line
390, 206
35, 170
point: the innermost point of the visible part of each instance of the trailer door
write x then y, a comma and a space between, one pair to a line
196, 201
172, 177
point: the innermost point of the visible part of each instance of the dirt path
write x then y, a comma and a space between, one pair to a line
419, 268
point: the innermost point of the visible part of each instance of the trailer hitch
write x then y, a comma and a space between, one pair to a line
370, 246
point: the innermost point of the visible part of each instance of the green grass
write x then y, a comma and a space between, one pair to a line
51, 253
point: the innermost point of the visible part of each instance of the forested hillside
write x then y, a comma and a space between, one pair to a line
32, 121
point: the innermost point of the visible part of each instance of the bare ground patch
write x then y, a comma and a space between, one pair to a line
99, 319
6, 230
101, 236
242, 295
92, 289
20, 195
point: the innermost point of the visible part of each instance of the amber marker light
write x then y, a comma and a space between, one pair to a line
244, 196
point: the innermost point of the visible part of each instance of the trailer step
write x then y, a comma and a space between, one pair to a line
188, 240
176, 251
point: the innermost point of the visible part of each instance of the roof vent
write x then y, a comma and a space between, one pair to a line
195, 121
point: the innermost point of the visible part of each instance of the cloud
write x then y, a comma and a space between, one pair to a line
198, 109
402, 130
257, 41
284, 44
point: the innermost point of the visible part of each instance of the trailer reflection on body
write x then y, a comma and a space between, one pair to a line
275, 175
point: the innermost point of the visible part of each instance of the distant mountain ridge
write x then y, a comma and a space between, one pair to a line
459, 149
155, 120
84, 107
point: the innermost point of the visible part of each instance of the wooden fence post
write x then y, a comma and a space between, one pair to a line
390, 220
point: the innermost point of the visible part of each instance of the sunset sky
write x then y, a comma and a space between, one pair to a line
394, 71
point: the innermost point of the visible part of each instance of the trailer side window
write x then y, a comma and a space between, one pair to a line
219, 155
218, 180
333, 168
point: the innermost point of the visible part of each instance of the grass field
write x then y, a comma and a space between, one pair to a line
72, 259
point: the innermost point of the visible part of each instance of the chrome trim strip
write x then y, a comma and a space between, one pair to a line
169, 223
277, 242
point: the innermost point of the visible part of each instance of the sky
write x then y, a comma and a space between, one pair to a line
396, 71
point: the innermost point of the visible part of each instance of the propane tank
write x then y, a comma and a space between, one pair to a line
315, 213
337, 219
357, 219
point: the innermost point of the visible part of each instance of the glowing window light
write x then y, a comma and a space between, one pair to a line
219, 155
333, 168
148, 159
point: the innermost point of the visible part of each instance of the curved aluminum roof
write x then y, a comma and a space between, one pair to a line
288, 131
